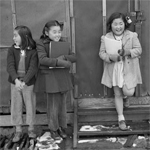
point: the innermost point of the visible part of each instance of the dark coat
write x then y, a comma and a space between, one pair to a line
31, 65
52, 80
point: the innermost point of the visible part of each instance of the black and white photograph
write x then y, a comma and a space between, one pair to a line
74, 74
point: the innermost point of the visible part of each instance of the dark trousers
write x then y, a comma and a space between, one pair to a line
56, 110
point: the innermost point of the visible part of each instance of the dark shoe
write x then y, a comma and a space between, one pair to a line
17, 137
54, 135
122, 125
62, 133
126, 102
31, 134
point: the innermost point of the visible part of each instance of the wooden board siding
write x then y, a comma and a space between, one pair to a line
145, 42
41, 119
109, 102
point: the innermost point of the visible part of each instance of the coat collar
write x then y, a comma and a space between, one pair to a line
18, 48
126, 36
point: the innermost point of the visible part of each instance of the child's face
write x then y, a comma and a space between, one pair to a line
118, 26
17, 38
54, 33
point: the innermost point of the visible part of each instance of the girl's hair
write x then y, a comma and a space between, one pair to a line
47, 27
117, 15
27, 41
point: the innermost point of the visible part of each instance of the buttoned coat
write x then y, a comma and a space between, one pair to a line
31, 65
51, 80
131, 70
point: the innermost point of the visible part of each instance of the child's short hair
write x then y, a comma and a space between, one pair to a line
50, 24
117, 15
27, 41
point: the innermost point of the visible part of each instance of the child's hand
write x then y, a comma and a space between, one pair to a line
115, 58
121, 52
62, 57
23, 85
18, 84
63, 63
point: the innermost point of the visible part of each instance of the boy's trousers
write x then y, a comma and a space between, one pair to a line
18, 99
56, 110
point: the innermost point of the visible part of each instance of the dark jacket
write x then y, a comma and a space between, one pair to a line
52, 80
31, 65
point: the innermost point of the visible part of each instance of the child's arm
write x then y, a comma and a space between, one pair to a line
63, 63
105, 56
33, 68
71, 57
18, 84
43, 56
11, 64
134, 51
136, 46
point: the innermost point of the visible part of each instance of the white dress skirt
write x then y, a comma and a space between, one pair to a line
118, 74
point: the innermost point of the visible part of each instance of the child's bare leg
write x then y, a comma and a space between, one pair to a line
128, 92
119, 107
118, 100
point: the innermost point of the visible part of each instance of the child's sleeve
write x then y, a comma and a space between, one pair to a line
33, 68
71, 57
11, 65
136, 46
43, 56
102, 52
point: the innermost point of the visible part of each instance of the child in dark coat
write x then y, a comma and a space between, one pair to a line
54, 82
22, 66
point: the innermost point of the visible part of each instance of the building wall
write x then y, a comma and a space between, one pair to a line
145, 41
34, 14
88, 30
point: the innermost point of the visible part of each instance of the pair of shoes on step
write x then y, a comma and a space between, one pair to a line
18, 136
122, 125
31, 134
62, 133
57, 135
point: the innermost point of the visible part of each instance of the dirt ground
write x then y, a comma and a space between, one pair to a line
88, 143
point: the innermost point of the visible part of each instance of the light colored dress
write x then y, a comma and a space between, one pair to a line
118, 69
131, 68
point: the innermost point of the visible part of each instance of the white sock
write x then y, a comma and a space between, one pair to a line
30, 128
18, 128
121, 117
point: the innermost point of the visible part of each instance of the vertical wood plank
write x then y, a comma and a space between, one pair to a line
75, 124
129, 6
138, 30
72, 22
137, 5
14, 19
68, 30
75, 121
104, 16
104, 30
67, 20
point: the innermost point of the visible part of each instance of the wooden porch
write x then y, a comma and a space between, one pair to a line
96, 111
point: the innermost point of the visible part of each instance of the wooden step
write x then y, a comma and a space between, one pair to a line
110, 114
134, 128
